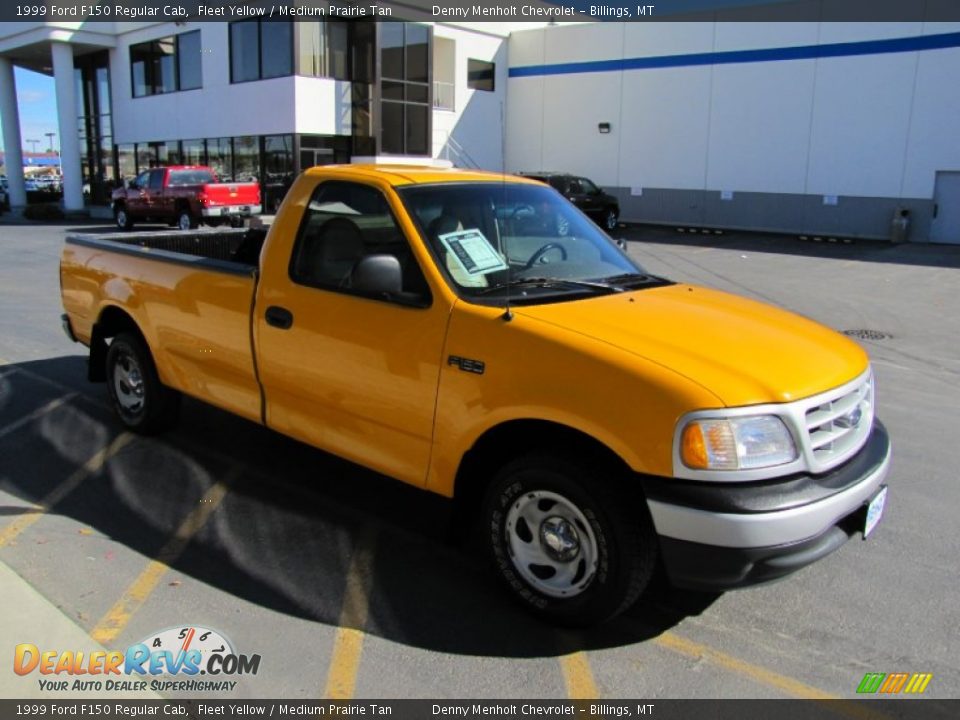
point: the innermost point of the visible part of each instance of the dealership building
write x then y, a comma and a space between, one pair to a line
823, 128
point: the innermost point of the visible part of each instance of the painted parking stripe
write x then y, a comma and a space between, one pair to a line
37, 414
117, 618
348, 643
578, 677
91, 467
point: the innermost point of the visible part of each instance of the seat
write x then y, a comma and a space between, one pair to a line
330, 254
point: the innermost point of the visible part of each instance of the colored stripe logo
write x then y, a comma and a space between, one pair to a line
893, 683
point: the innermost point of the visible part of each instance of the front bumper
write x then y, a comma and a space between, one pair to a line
716, 536
231, 211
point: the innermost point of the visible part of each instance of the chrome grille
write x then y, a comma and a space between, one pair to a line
837, 427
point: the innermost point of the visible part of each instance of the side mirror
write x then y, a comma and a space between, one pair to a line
132, 184
377, 275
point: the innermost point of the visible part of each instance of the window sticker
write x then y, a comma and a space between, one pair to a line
473, 252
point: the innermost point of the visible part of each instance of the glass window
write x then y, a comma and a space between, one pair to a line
246, 159
480, 74
146, 156
143, 179
338, 49
391, 137
190, 73
343, 224
126, 163
220, 157
156, 179
190, 177
277, 169
193, 152
391, 50
312, 49
156, 65
244, 51
417, 45
417, 122
276, 46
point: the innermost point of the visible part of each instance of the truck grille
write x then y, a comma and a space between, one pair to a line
837, 427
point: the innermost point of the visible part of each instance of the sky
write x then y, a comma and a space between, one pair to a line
37, 102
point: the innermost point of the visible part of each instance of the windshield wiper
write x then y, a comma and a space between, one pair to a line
548, 282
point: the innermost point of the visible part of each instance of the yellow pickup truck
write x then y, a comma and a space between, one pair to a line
475, 335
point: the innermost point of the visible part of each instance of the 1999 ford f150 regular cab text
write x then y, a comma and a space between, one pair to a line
477, 336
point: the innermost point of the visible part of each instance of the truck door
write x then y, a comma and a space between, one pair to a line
352, 373
137, 195
154, 198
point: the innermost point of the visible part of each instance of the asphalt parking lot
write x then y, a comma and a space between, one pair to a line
347, 584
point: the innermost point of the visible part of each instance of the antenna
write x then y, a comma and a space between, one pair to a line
508, 313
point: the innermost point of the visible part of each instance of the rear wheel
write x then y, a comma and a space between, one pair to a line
185, 220
140, 400
571, 545
610, 219
122, 217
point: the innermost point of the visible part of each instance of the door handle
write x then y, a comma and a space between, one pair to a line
279, 317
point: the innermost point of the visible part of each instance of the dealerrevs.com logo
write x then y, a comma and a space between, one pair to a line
183, 653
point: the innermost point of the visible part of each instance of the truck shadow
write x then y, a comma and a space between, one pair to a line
293, 524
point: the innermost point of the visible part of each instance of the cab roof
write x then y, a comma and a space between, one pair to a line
398, 174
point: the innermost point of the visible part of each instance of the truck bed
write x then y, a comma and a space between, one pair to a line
226, 249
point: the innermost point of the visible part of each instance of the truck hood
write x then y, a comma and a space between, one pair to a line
744, 352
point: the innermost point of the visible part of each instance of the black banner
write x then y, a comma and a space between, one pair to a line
861, 709
94, 11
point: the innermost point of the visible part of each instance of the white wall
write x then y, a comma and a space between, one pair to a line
476, 124
875, 125
221, 109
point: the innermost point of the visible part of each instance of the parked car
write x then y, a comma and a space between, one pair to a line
602, 207
593, 422
184, 195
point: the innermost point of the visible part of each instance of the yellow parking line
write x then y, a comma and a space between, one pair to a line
348, 643
116, 619
90, 467
578, 677
38, 413
762, 675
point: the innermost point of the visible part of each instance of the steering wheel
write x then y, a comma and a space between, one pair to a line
543, 251
523, 209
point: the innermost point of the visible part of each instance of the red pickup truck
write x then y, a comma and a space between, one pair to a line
183, 195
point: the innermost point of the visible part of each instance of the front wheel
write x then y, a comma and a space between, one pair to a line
140, 400
122, 217
571, 545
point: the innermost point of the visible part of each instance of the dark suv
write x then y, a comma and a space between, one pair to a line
602, 208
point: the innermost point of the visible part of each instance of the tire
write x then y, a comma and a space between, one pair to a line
593, 551
236, 221
610, 218
143, 404
185, 220
122, 218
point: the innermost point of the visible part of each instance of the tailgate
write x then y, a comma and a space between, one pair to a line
232, 193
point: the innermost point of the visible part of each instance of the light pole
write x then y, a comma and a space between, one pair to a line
34, 143
50, 136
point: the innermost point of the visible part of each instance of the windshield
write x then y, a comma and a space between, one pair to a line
494, 238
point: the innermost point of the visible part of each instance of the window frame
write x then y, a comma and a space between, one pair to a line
420, 303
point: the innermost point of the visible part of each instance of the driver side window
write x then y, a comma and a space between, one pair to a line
344, 223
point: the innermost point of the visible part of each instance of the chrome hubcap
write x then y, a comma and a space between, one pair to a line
551, 544
128, 384
184, 222
121, 218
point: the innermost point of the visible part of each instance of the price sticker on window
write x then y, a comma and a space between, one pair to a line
471, 250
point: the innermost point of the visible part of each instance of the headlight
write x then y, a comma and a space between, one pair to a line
741, 443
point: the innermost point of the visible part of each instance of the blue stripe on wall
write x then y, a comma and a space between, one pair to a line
802, 52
